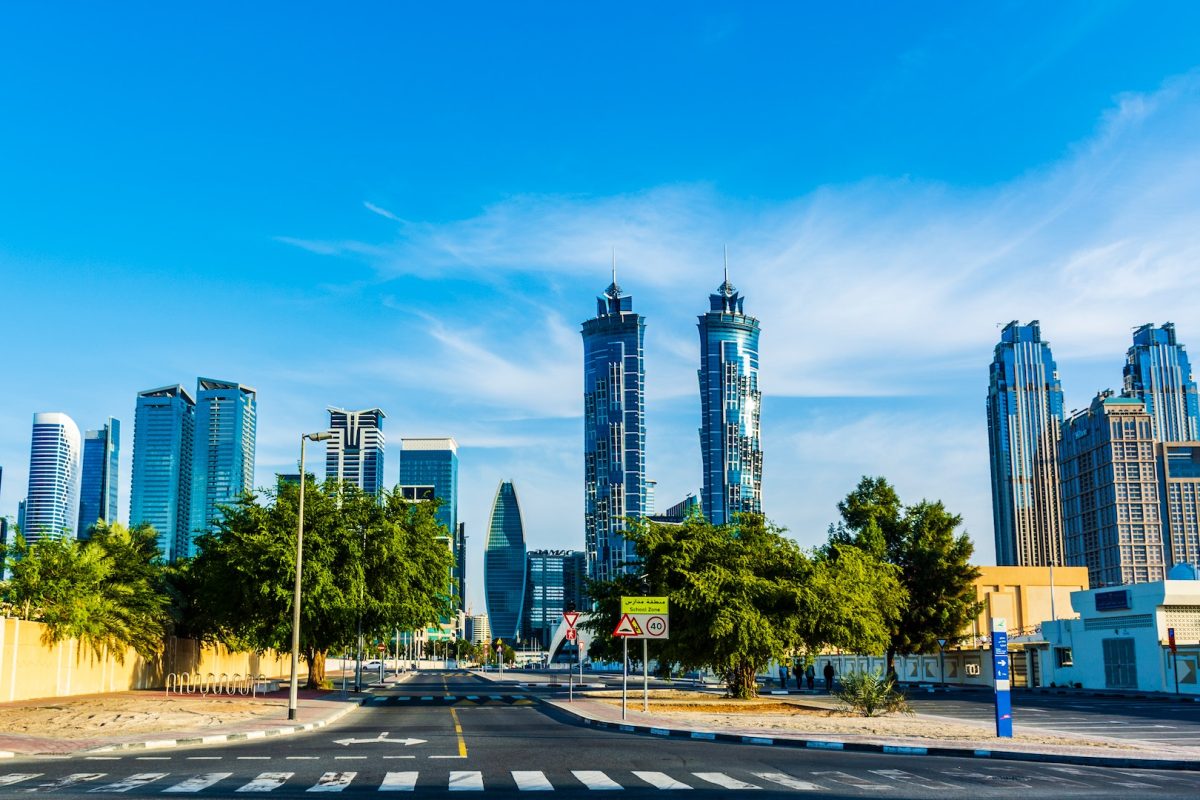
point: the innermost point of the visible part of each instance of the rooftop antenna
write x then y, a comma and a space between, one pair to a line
614, 266
727, 263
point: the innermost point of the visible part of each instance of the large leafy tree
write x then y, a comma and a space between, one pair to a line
109, 592
933, 562
382, 560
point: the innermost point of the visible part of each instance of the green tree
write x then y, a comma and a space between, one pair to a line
933, 562
851, 600
735, 592
382, 561
109, 592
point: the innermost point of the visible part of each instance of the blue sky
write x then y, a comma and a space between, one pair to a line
413, 207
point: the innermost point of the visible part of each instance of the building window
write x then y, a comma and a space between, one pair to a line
1062, 657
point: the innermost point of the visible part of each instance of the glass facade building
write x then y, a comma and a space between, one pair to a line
1110, 492
1179, 487
730, 408
433, 462
554, 585
52, 504
1159, 373
614, 430
98, 483
164, 431
504, 565
223, 454
355, 453
1025, 417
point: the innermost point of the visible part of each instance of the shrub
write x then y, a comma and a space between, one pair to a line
870, 693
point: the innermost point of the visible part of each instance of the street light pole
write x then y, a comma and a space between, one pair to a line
295, 686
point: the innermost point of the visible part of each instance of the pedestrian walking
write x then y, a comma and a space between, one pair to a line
811, 675
829, 673
783, 675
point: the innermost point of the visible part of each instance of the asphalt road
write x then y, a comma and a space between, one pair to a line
498, 740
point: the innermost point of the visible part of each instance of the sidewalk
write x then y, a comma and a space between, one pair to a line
1091, 750
192, 719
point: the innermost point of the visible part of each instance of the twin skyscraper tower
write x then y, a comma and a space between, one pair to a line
614, 414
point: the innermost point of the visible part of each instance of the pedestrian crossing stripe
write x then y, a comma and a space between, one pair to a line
525, 780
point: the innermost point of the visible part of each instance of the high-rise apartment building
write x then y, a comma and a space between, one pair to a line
478, 630
1110, 492
98, 485
459, 573
554, 585
1159, 373
432, 463
676, 514
52, 504
1179, 488
164, 432
730, 408
223, 455
355, 453
504, 565
1025, 417
614, 430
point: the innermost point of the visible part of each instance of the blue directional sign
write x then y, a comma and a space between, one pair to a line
1000, 670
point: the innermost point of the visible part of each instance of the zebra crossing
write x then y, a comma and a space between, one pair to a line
956, 782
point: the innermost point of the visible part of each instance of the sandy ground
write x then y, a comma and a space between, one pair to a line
136, 712
817, 716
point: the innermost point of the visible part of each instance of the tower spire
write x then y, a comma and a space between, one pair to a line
614, 251
727, 288
727, 263
614, 289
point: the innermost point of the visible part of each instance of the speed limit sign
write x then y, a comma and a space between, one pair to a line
653, 626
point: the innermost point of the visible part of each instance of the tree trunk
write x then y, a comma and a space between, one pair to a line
316, 668
740, 683
891, 660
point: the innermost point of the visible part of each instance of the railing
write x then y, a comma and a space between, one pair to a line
218, 684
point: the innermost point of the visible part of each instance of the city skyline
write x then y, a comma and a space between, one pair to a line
341, 237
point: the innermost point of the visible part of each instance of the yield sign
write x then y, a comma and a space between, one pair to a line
571, 617
627, 627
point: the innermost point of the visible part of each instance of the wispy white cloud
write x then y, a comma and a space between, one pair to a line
383, 212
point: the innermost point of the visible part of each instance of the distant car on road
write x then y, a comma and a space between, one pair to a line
373, 665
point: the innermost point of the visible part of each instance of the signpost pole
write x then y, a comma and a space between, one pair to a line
1174, 656
942, 660
624, 675
645, 675
1000, 665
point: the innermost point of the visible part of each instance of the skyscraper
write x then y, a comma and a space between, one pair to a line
1158, 372
52, 504
614, 430
1110, 493
355, 453
223, 456
1179, 489
730, 408
164, 430
1025, 416
459, 573
433, 462
504, 565
98, 490
554, 585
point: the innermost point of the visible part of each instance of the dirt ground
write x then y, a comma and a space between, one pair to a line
773, 714
134, 712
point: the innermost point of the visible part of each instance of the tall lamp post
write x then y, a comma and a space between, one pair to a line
315, 437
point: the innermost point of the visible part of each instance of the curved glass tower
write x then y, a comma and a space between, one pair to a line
1025, 419
504, 565
164, 430
730, 407
614, 430
223, 456
1158, 372
52, 505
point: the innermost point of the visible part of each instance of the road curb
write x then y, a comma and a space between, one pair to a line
889, 749
264, 733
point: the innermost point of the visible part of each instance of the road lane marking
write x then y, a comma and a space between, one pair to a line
153, 758
991, 780
724, 781
253, 758
530, 781
267, 782
332, 782
462, 743
67, 780
302, 758
443, 757
399, 782
197, 783
595, 779
661, 780
790, 782
349, 758
102, 758
17, 777
915, 780
395, 757
464, 781
853, 780
204, 758
132, 782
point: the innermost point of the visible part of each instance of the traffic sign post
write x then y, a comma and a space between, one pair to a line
642, 618
571, 617
1174, 656
1000, 670
942, 660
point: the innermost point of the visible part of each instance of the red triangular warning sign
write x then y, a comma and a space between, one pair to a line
627, 627
571, 617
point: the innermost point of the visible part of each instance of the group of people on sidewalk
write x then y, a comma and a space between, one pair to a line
809, 675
